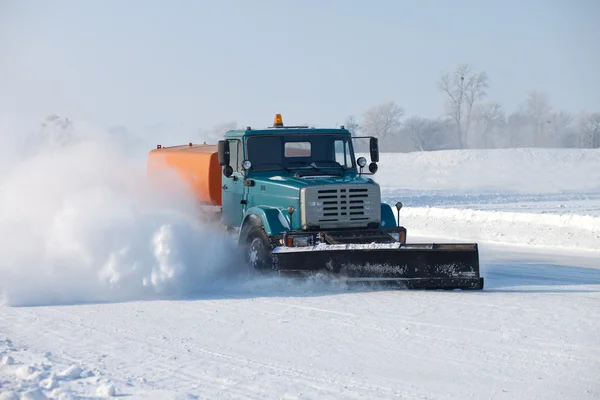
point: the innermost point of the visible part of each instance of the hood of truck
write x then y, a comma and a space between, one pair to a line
281, 191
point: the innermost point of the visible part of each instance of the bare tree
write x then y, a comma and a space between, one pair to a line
352, 125
383, 120
560, 129
590, 130
464, 88
475, 90
537, 108
490, 116
425, 134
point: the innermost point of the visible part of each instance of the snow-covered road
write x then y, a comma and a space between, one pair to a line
99, 235
533, 333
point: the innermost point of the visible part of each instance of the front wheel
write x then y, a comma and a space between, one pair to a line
258, 250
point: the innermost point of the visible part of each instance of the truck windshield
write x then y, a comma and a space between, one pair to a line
311, 151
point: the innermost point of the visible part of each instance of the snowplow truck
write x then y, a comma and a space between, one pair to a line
298, 202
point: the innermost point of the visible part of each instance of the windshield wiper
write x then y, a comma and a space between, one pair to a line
337, 164
277, 166
305, 163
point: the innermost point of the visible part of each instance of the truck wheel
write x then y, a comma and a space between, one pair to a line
258, 250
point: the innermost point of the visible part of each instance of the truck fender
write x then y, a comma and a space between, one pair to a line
272, 219
388, 219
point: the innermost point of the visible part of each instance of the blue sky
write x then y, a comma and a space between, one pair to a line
201, 63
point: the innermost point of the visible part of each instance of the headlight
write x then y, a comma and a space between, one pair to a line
399, 236
299, 241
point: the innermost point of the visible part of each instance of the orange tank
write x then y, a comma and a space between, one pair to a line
197, 165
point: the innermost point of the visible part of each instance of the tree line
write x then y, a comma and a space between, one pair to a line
471, 120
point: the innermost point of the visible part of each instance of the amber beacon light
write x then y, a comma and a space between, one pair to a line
278, 123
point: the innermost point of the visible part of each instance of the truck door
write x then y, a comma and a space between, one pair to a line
233, 187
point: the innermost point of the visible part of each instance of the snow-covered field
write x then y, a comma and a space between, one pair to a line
108, 290
548, 198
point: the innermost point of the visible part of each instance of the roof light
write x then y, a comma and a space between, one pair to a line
278, 121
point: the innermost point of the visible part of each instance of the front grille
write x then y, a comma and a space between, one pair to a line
339, 206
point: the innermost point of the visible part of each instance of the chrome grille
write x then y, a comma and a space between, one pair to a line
340, 206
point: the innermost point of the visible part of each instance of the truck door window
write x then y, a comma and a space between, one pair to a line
240, 155
297, 149
342, 153
349, 160
234, 155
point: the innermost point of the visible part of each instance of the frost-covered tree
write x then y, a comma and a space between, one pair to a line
490, 120
537, 108
560, 131
383, 120
425, 134
589, 125
352, 125
463, 88
516, 132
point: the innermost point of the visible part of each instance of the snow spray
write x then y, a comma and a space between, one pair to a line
80, 222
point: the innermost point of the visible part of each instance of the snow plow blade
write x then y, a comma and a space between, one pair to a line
412, 266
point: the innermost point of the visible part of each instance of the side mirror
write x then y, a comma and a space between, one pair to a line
223, 147
228, 170
374, 149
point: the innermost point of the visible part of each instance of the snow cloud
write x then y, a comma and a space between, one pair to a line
79, 222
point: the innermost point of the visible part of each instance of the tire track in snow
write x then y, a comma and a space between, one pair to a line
528, 358
525, 354
157, 363
442, 327
160, 343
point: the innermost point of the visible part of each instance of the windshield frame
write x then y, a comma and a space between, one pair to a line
309, 165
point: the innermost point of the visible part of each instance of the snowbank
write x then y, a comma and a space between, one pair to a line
442, 191
566, 231
504, 170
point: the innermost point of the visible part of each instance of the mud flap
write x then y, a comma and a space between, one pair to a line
415, 266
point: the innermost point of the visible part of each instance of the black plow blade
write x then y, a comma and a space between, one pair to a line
413, 266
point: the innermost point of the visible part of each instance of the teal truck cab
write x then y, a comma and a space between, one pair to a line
301, 202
